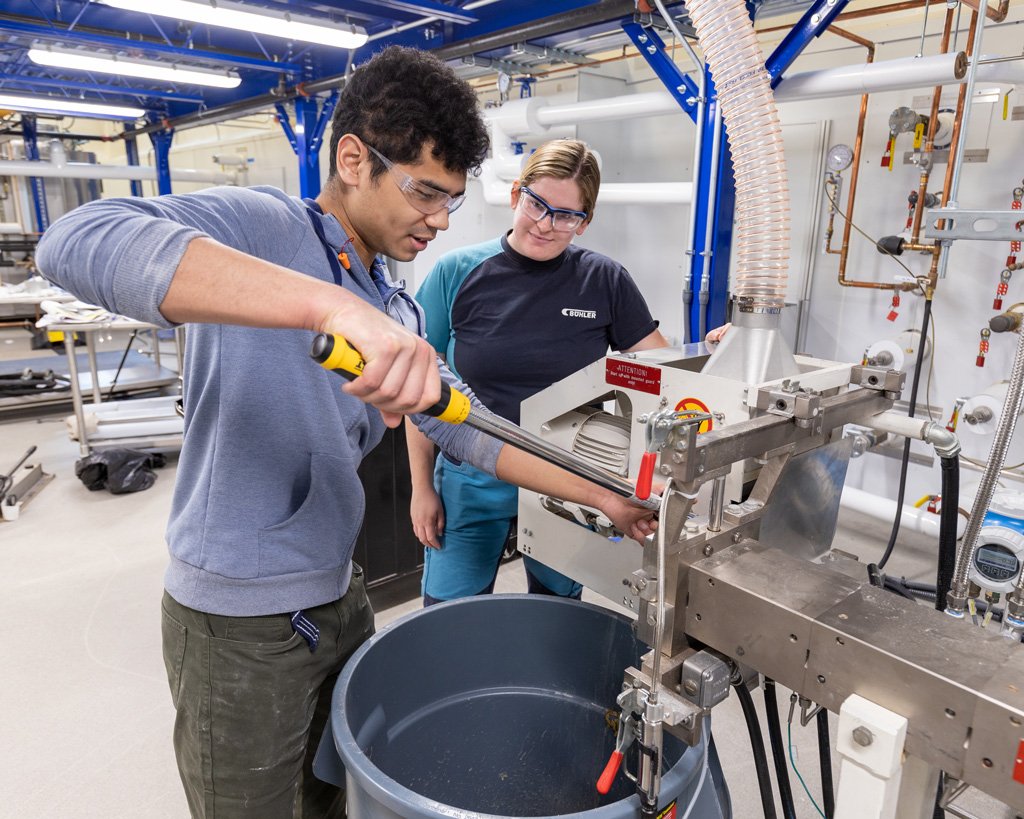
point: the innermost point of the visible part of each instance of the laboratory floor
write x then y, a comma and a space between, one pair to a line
85, 714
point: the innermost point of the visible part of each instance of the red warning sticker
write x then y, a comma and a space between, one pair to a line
1018, 768
697, 406
633, 375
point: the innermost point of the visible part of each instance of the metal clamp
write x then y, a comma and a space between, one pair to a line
790, 400
891, 382
988, 225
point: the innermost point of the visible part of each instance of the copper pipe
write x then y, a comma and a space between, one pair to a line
933, 271
929, 147
995, 13
849, 35
845, 252
853, 15
832, 210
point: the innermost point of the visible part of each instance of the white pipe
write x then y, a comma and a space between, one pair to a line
86, 170
917, 520
863, 78
892, 75
651, 104
11, 227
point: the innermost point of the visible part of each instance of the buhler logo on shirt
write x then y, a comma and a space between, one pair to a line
568, 311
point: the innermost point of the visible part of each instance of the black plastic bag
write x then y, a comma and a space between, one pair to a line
119, 470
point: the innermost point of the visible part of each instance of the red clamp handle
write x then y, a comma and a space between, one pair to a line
646, 476
604, 784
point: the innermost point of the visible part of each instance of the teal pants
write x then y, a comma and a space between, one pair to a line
478, 510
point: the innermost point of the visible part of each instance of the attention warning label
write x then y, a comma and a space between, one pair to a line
635, 376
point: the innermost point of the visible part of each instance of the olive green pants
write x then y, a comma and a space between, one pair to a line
251, 702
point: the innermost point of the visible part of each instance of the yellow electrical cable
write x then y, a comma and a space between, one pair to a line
922, 502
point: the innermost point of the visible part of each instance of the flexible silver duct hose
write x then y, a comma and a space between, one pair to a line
726, 33
957, 597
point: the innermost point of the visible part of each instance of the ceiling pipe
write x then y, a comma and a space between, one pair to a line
57, 167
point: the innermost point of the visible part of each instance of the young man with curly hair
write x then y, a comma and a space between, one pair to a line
262, 603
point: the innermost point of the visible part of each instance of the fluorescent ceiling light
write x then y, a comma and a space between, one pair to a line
55, 105
126, 67
248, 18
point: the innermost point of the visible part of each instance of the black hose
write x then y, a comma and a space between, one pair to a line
771, 707
914, 585
947, 529
764, 782
899, 588
906, 444
828, 794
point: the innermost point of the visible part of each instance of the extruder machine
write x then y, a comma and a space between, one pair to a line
740, 581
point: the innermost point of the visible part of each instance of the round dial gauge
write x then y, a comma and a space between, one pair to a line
839, 157
504, 82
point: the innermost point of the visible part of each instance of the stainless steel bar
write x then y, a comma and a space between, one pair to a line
717, 505
513, 435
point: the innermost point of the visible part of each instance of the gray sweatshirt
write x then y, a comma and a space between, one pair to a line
267, 503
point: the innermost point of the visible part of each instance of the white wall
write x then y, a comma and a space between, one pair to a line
650, 240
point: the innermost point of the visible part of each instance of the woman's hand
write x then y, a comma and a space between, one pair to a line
716, 335
427, 513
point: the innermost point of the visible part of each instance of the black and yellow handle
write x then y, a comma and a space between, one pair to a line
335, 353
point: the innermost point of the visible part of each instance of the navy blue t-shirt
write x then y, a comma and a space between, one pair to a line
510, 326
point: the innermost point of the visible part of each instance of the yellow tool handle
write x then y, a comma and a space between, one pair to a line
335, 353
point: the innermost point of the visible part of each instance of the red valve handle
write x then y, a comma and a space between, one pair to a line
604, 784
646, 476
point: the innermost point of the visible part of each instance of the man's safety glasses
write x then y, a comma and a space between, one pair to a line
422, 197
561, 219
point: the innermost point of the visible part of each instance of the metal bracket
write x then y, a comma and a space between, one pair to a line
790, 400
985, 225
891, 382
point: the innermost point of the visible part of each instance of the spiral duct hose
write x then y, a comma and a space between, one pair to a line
726, 33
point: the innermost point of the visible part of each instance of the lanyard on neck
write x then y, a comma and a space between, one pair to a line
313, 211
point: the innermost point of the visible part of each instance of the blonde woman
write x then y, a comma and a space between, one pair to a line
512, 316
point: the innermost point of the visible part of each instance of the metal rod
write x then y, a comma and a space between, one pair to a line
717, 505
506, 431
924, 28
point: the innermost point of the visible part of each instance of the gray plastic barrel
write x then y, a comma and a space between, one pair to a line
498, 706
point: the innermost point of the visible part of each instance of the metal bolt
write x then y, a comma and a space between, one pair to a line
690, 686
700, 469
652, 49
692, 527
642, 38
737, 537
681, 446
665, 469
678, 457
816, 19
652, 619
862, 736
709, 550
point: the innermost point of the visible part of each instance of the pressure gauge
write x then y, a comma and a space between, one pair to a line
839, 158
504, 82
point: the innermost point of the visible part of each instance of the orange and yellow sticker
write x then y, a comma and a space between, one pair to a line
695, 405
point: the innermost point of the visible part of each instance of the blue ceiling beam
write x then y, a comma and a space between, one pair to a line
190, 55
815, 21
100, 88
